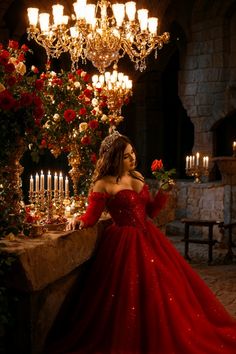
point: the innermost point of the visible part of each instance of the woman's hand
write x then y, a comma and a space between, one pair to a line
75, 224
167, 185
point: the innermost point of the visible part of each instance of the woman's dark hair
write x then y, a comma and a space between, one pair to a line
110, 161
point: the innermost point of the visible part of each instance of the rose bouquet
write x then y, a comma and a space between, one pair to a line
21, 107
76, 119
164, 177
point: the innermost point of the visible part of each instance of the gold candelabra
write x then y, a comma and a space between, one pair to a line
116, 86
101, 33
197, 167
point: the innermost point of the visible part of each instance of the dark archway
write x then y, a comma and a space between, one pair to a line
224, 133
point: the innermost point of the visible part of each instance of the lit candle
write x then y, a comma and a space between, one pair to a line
55, 182
60, 183
187, 163
31, 184
37, 182
67, 187
234, 148
49, 182
193, 161
197, 158
42, 181
207, 161
204, 161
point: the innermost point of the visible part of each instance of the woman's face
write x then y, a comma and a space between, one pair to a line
129, 159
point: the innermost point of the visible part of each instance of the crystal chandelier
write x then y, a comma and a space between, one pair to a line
102, 33
116, 86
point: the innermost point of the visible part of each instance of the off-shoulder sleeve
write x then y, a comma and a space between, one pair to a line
96, 205
154, 205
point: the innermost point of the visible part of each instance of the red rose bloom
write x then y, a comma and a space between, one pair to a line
7, 102
24, 48
39, 84
86, 140
93, 157
13, 44
87, 93
86, 78
26, 99
9, 68
93, 124
11, 80
156, 165
69, 115
82, 111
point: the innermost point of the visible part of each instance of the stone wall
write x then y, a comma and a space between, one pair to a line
207, 80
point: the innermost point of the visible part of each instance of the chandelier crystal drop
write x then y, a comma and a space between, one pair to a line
102, 33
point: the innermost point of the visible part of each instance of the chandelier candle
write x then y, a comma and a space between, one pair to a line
94, 35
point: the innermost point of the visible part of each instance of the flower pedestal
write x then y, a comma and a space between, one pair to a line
75, 172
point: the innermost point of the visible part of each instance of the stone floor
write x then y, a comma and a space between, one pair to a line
220, 275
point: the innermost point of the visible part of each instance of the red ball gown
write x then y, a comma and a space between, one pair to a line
139, 295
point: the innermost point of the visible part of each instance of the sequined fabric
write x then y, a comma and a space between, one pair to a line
139, 295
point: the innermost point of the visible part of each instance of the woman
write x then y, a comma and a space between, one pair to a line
140, 296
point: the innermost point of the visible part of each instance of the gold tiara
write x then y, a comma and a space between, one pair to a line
109, 140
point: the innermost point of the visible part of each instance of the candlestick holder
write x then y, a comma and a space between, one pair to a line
197, 172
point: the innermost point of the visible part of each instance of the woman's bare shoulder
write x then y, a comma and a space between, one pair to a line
100, 186
138, 175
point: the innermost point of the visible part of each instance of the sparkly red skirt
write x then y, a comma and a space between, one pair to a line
139, 296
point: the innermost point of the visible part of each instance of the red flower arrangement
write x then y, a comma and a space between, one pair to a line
77, 117
163, 176
21, 108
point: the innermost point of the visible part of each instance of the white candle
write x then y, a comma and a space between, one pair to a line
42, 181
187, 162
67, 187
55, 182
49, 182
37, 182
60, 183
207, 161
234, 146
197, 158
204, 161
31, 184
193, 161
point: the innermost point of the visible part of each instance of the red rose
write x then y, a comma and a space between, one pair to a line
26, 99
79, 71
93, 157
69, 115
11, 81
93, 124
9, 68
39, 84
7, 102
21, 57
156, 165
86, 140
87, 93
86, 78
82, 111
13, 44
43, 143
24, 48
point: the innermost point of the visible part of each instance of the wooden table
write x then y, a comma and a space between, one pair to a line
210, 241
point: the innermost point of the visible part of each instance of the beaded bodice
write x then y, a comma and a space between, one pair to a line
128, 207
